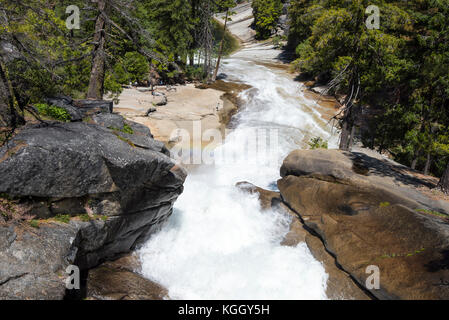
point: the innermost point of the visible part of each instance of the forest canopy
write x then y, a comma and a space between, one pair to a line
393, 80
117, 42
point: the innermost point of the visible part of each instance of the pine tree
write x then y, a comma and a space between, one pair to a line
97, 74
223, 5
444, 181
266, 16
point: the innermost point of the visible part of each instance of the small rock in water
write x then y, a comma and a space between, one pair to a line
222, 76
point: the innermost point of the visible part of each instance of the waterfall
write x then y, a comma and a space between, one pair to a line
219, 242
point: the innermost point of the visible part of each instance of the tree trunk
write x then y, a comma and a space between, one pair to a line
97, 73
345, 136
9, 116
351, 138
415, 159
347, 130
428, 163
220, 52
6, 118
444, 181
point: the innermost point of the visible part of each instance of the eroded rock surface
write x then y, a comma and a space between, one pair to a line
339, 285
367, 212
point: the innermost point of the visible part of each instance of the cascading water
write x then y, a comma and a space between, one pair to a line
219, 243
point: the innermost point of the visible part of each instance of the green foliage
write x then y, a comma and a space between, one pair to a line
398, 73
402, 255
230, 44
194, 73
318, 143
87, 218
64, 218
126, 129
132, 68
384, 204
266, 16
124, 139
173, 25
302, 14
434, 213
142, 36
277, 41
34, 223
53, 112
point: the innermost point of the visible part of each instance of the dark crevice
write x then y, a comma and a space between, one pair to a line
13, 278
339, 266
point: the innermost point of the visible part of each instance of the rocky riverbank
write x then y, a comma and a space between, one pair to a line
207, 106
356, 211
78, 193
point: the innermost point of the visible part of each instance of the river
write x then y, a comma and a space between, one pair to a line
219, 243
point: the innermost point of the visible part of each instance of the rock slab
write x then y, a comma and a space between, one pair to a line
117, 185
365, 217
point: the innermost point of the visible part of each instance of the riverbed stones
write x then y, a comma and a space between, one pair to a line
367, 213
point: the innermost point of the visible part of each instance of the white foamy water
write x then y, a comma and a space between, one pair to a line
219, 243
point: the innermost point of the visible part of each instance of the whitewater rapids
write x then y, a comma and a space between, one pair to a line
219, 243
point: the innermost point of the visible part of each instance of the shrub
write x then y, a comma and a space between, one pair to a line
53, 112
34, 224
318, 143
266, 17
126, 129
64, 218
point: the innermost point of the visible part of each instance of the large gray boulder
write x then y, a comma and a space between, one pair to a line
123, 182
81, 109
33, 261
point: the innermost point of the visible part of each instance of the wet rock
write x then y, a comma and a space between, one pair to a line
309, 84
339, 285
120, 280
268, 199
222, 76
149, 111
320, 90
